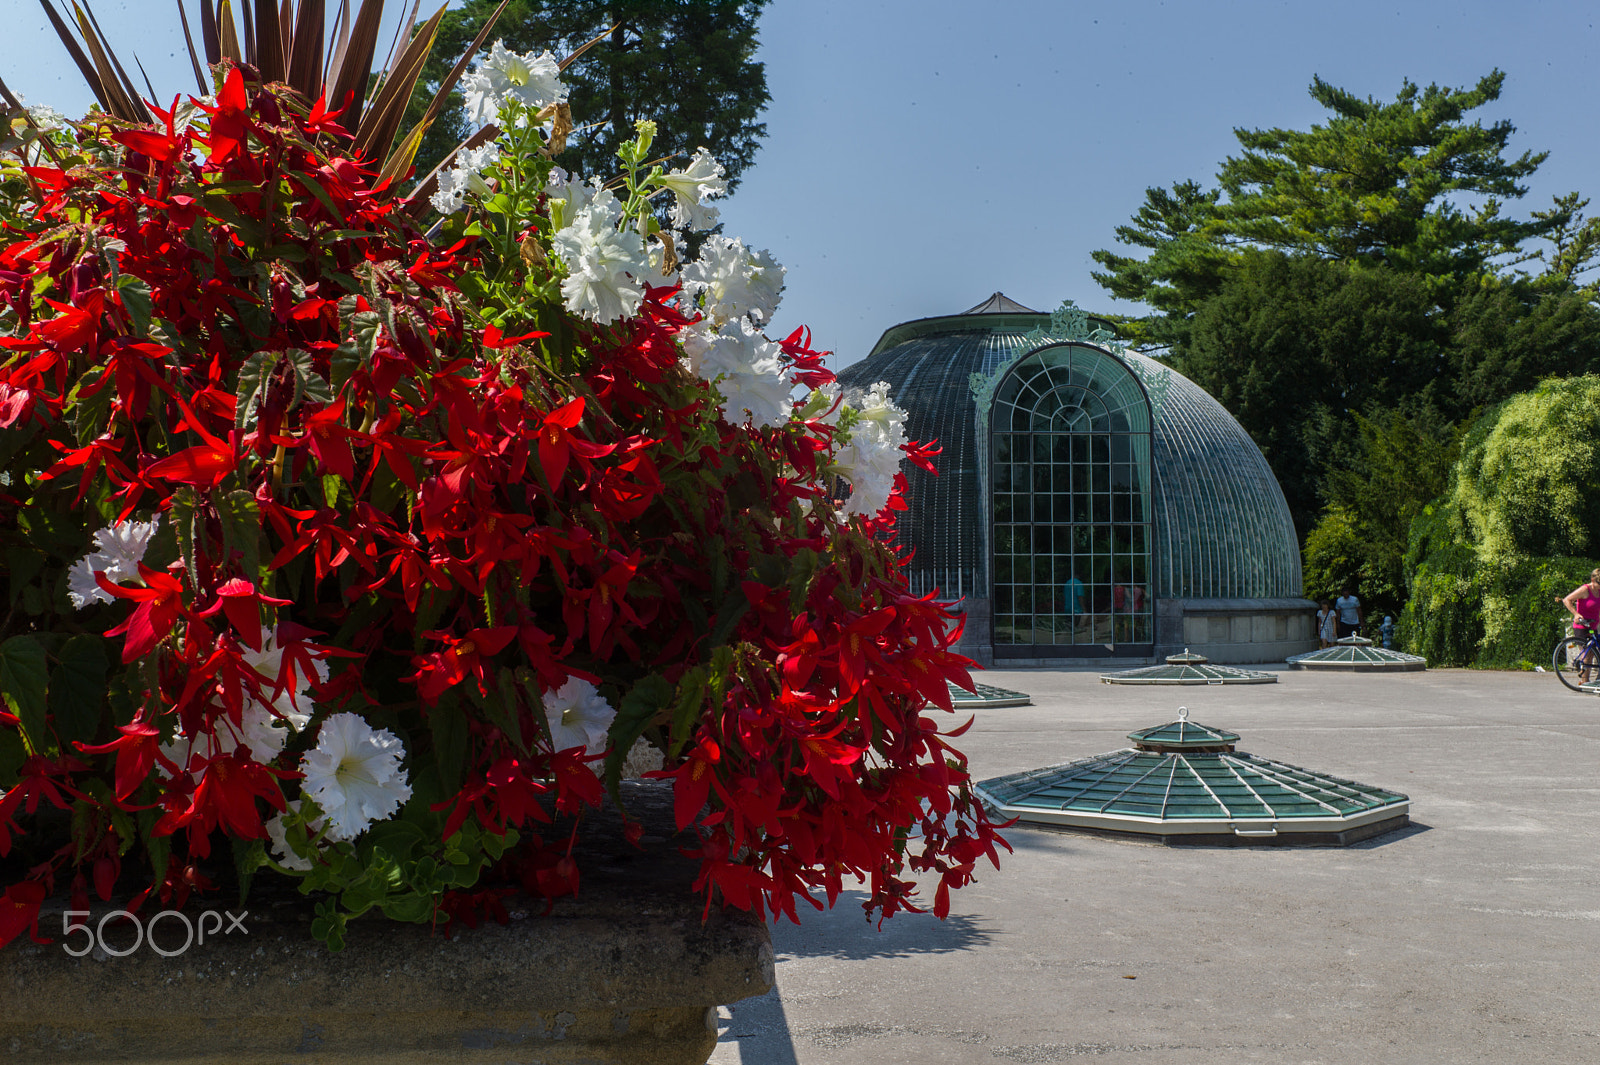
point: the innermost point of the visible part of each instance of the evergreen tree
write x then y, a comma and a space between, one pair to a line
1377, 184
688, 64
1382, 182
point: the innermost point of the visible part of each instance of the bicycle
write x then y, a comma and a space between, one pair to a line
1576, 660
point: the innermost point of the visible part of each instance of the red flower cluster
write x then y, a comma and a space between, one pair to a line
224, 323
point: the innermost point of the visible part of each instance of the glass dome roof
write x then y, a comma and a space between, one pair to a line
1187, 782
1221, 526
1356, 654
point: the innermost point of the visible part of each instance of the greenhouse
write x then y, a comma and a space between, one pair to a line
1091, 502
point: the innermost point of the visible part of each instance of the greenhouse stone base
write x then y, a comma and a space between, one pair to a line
627, 973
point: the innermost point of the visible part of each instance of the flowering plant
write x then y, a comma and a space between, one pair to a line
378, 555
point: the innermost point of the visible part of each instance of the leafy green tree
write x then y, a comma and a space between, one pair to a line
1378, 184
1506, 334
687, 64
1184, 268
1402, 464
1293, 345
1382, 182
1518, 526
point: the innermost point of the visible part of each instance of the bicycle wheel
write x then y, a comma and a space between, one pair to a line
1574, 662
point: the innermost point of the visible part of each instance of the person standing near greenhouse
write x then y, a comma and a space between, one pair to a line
1349, 610
1583, 603
1327, 624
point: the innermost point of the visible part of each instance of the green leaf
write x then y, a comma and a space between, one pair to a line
89, 412
240, 515
415, 909
136, 300
77, 693
255, 376
345, 360
449, 728
23, 564
733, 608
23, 680
503, 708
686, 709
329, 925
398, 839
638, 709
249, 855
12, 755
181, 516
314, 186
309, 387
59, 535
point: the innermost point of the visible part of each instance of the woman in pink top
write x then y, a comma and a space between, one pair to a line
1584, 604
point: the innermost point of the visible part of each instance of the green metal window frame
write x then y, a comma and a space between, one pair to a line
1071, 507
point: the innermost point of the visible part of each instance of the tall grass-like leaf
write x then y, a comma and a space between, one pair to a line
228, 33
305, 49
384, 113
400, 161
86, 68
268, 50
188, 39
349, 77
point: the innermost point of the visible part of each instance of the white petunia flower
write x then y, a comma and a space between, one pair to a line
504, 76
264, 729
464, 177
354, 775
747, 368
735, 348
122, 548
827, 397
871, 457
262, 725
691, 187
46, 117
763, 392
604, 264
284, 853
730, 281
579, 716
870, 469
877, 415
567, 194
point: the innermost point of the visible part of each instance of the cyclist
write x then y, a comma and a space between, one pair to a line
1583, 603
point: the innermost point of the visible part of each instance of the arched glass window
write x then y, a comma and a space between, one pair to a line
1070, 454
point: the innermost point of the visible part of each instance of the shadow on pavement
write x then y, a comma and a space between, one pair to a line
845, 933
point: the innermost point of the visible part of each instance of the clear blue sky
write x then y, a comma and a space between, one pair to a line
922, 154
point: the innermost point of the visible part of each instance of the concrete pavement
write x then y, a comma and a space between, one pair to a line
1472, 936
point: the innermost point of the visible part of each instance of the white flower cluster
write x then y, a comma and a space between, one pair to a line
262, 726
730, 281
736, 289
578, 716
747, 369
691, 187
871, 456
605, 257
508, 77
464, 177
353, 774
121, 549
354, 777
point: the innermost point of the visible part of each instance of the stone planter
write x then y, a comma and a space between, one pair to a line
626, 973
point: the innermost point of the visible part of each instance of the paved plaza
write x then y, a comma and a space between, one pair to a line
1471, 936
